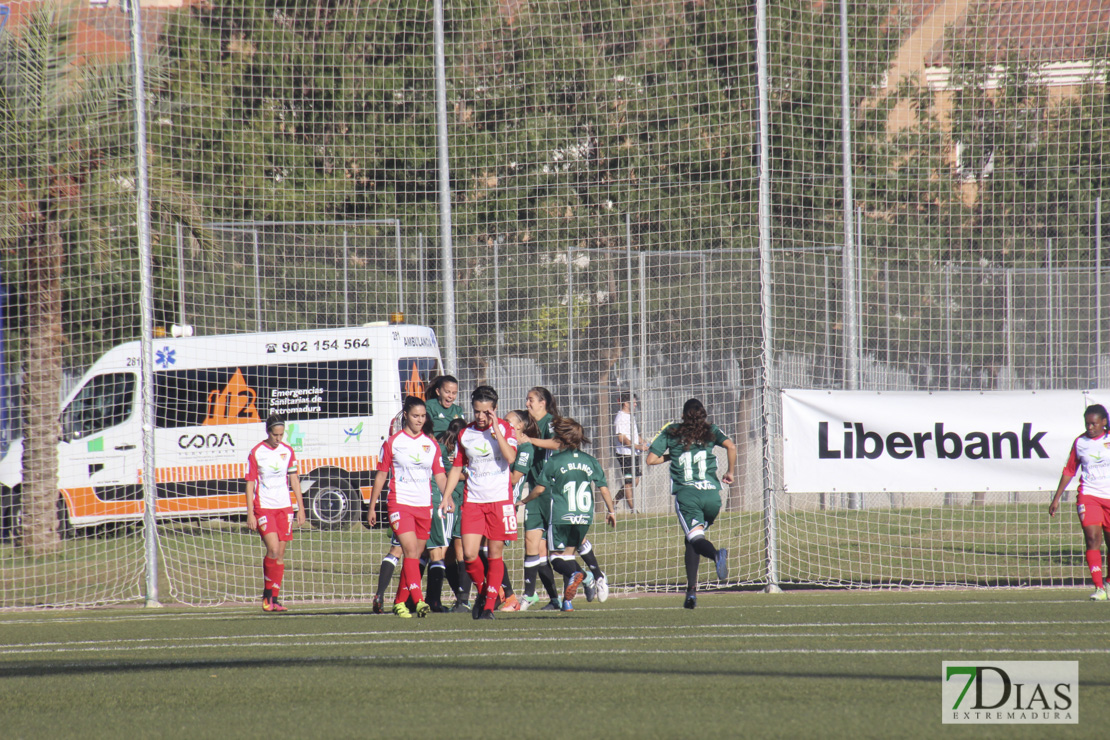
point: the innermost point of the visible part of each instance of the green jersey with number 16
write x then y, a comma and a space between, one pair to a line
690, 468
569, 476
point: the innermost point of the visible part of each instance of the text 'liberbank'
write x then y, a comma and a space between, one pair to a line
856, 442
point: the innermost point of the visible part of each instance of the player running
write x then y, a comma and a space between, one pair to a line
411, 459
486, 451
688, 445
569, 478
1090, 457
270, 464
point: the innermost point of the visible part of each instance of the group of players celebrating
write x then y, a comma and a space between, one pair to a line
534, 457
490, 466
453, 494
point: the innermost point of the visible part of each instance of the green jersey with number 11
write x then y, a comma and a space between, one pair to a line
569, 476
690, 468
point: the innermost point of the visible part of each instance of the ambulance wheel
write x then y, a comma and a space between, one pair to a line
331, 503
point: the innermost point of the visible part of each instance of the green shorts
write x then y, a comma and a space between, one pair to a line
441, 527
456, 525
562, 536
696, 507
536, 512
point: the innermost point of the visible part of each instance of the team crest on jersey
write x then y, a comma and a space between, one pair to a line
426, 448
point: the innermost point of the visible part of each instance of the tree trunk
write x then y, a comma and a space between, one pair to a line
42, 380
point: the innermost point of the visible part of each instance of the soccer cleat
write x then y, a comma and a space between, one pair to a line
276, 606
479, 606
568, 605
528, 601
460, 607
691, 601
422, 609
267, 599
572, 588
486, 614
439, 609
721, 561
553, 606
1100, 595
402, 611
602, 589
378, 607
512, 604
589, 587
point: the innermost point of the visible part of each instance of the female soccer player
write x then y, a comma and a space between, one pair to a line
441, 394
541, 407
457, 576
1090, 456
269, 465
486, 451
411, 459
697, 492
569, 477
523, 478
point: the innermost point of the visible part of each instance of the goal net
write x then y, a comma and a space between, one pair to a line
605, 167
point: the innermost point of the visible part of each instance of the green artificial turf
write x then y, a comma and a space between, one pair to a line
797, 664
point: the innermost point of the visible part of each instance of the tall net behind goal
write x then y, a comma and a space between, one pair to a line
607, 240
962, 251
69, 292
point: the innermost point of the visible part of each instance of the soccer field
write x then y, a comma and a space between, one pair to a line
798, 664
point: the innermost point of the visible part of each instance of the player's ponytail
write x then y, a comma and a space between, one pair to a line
449, 437
695, 426
569, 433
527, 423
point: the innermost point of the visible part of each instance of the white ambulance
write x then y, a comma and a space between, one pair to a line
338, 390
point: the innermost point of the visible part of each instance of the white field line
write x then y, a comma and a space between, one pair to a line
349, 611
586, 630
357, 639
100, 665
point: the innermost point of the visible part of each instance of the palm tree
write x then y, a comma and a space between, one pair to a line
66, 181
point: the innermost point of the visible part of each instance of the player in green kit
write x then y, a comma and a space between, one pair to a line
441, 395
524, 477
688, 445
569, 478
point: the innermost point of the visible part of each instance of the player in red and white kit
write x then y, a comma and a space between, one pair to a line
410, 458
271, 470
1090, 456
485, 451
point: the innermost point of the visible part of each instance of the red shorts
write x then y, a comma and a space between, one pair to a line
1093, 511
418, 519
277, 521
494, 521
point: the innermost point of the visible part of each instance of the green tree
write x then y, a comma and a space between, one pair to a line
67, 227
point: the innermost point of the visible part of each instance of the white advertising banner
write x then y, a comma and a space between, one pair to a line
875, 441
